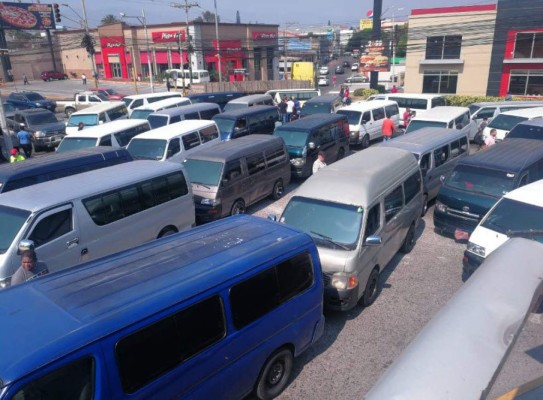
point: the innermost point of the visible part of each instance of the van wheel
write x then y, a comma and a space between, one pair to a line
372, 288
365, 141
278, 190
340, 154
409, 241
238, 208
424, 205
166, 232
69, 111
275, 375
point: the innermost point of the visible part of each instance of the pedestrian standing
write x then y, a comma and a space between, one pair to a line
30, 268
346, 96
290, 108
283, 110
25, 141
15, 156
491, 139
25, 80
168, 84
406, 117
394, 89
84, 78
320, 162
334, 80
388, 128
508, 96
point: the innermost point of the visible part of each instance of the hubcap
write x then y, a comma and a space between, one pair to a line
276, 373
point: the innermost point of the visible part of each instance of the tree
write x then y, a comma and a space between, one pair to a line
109, 19
359, 40
207, 16
88, 43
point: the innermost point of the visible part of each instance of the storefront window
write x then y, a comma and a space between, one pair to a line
443, 47
116, 71
526, 83
529, 45
440, 82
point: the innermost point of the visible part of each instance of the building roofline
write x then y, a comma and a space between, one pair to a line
453, 10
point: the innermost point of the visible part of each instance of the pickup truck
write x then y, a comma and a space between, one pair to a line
80, 101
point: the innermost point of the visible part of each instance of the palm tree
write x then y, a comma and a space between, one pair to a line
109, 19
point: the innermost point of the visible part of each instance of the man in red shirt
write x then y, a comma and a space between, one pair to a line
388, 128
406, 117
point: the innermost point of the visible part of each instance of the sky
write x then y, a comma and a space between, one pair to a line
300, 13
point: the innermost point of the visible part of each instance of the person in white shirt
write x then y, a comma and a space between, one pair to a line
319, 162
290, 108
491, 139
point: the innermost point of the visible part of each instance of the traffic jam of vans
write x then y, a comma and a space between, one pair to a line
158, 185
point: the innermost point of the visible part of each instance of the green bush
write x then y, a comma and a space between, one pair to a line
365, 93
464, 101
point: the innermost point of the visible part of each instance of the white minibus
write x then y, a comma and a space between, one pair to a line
96, 115
142, 112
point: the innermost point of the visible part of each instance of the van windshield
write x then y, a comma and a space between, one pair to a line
225, 125
415, 125
13, 220
157, 121
71, 144
517, 217
204, 172
87, 119
505, 122
140, 114
522, 131
314, 108
352, 116
292, 138
481, 180
147, 149
473, 109
330, 224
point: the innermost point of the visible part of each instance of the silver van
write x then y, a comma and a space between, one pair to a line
249, 101
359, 211
437, 151
194, 111
229, 176
445, 117
90, 215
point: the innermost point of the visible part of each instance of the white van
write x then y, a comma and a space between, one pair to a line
360, 211
366, 119
489, 109
420, 103
115, 134
249, 101
198, 76
174, 142
519, 213
93, 214
192, 111
96, 115
504, 122
142, 112
138, 100
445, 117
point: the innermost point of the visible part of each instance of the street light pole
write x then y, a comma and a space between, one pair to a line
187, 6
87, 31
144, 21
218, 43
392, 69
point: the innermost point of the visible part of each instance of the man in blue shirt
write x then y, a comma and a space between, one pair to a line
25, 138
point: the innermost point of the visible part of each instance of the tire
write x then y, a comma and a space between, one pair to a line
166, 232
64, 78
409, 241
372, 289
278, 190
69, 111
365, 141
424, 205
50, 79
340, 154
238, 208
275, 375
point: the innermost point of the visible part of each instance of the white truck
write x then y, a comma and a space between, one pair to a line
80, 101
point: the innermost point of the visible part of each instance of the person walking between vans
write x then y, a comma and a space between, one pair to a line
478, 139
290, 108
491, 139
388, 128
25, 138
283, 110
30, 268
15, 156
320, 162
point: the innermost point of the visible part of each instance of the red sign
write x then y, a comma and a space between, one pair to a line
167, 36
230, 48
265, 35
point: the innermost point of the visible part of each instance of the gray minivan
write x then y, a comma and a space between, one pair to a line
231, 175
437, 150
170, 116
359, 211
249, 101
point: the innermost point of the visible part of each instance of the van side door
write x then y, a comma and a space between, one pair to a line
328, 143
442, 166
378, 116
257, 185
57, 238
394, 224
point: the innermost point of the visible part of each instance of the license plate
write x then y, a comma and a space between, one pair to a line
459, 234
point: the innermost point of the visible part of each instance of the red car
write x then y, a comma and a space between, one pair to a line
111, 94
50, 75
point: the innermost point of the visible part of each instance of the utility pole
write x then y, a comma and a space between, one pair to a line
187, 6
87, 32
285, 46
218, 43
376, 36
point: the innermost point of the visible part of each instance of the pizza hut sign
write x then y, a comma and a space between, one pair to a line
265, 35
168, 36
113, 45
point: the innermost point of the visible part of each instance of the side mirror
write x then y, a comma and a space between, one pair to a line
312, 146
373, 240
442, 178
272, 217
25, 245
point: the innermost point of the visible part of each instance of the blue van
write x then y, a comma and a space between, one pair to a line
247, 121
220, 98
219, 311
59, 165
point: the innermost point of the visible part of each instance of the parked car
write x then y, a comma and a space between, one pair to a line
323, 80
111, 94
340, 70
346, 64
50, 75
324, 71
354, 67
42, 124
357, 79
24, 100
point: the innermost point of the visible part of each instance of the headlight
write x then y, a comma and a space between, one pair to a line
39, 104
39, 134
476, 249
210, 202
343, 281
441, 207
298, 162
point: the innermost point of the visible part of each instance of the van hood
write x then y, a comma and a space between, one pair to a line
488, 239
54, 127
332, 260
200, 191
295, 151
473, 203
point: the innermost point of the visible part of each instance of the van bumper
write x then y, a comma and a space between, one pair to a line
354, 138
207, 213
451, 225
471, 262
303, 172
340, 300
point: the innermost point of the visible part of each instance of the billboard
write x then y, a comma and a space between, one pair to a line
375, 58
26, 16
366, 24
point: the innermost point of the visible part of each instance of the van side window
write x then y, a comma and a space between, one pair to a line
411, 187
136, 103
487, 112
240, 129
264, 292
209, 114
51, 227
326, 134
123, 137
441, 156
523, 180
425, 163
174, 147
232, 170
393, 203
105, 141
392, 110
174, 119
455, 148
72, 381
451, 125
145, 355
118, 112
255, 163
193, 115
463, 145
378, 113
191, 140
275, 157
102, 117
438, 101
366, 117
374, 220
209, 133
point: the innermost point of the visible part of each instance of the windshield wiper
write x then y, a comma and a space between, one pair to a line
524, 233
202, 184
329, 239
